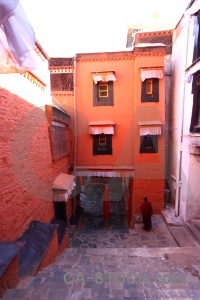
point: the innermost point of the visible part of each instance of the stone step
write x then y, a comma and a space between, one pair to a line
92, 259
39, 294
196, 222
196, 270
161, 287
194, 230
89, 273
70, 253
184, 260
183, 236
106, 273
170, 218
103, 293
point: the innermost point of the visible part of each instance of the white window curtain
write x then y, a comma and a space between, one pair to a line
17, 38
101, 130
150, 127
151, 130
145, 74
103, 77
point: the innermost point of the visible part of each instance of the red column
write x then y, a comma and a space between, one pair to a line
106, 206
130, 202
81, 181
124, 193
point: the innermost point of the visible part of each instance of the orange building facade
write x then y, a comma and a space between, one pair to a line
122, 136
118, 109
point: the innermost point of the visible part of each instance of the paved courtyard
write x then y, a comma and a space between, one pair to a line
93, 234
110, 273
159, 236
116, 263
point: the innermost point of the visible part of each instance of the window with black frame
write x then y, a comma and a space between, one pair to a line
195, 119
150, 90
149, 144
196, 52
102, 144
103, 93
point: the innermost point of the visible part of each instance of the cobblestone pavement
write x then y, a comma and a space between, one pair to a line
159, 236
119, 263
93, 234
100, 274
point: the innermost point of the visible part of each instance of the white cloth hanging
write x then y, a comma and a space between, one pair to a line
17, 38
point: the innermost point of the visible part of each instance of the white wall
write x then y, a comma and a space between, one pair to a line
181, 138
17, 84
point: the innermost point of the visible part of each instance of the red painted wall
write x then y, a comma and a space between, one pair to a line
149, 167
127, 111
121, 113
27, 171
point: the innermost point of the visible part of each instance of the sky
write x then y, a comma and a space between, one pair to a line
67, 27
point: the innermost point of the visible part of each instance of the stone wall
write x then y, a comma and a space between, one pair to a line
26, 167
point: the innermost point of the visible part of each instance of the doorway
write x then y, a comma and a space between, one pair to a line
60, 210
92, 197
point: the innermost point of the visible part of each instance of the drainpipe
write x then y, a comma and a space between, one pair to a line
180, 139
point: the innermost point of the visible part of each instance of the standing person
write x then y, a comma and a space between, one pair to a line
147, 212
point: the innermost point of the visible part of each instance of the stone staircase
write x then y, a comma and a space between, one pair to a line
119, 268
194, 228
112, 273
184, 234
124, 264
37, 247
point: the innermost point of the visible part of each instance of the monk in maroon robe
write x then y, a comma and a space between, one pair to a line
147, 212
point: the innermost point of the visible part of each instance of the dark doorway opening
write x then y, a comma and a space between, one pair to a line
92, 202
60, 211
